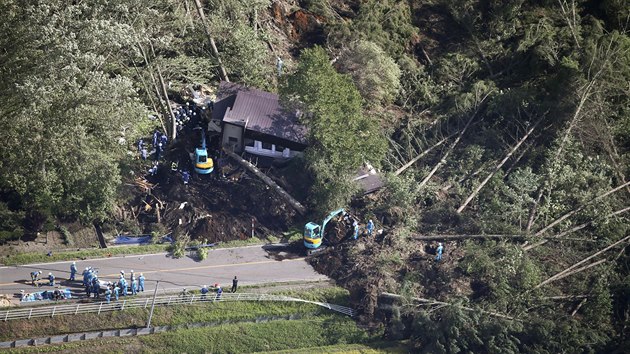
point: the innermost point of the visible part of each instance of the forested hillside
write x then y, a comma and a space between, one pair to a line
502, 129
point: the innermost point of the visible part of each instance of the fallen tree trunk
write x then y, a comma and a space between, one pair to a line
463, 237
574, 229
452, 147
584, 93
248, 165
435, 302
482, 236
419, 156
168, 106
576, 265
497, 168
155, 85
572, 272
213, 45
568, 214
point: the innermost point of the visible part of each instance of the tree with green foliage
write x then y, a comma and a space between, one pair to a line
373, 71
341, 137
243, 40
63, 94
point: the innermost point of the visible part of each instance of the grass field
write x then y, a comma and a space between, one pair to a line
316, 330
324, 334
171, 315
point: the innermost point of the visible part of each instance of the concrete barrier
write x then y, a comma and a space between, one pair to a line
74, 337
143, 331
57, 339
127, 332
22, 343
40, 341
109, 334
91, 335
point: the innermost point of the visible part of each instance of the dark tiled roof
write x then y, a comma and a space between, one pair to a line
260, 111
225, 98
368, 181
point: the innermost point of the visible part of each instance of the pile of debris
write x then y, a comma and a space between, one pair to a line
224, 205
372, 265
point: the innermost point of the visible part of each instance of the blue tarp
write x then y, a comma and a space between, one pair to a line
139, 240
132, 240
45, 295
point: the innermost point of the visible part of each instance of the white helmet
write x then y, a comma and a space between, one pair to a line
49, 273
74, 262
439, 243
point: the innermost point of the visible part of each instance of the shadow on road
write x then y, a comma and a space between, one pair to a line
280, 252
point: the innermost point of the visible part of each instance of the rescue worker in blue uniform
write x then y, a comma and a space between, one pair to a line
73, 270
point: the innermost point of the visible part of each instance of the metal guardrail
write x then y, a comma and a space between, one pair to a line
145, 302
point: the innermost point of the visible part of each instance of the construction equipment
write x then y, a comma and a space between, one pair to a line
314, 233
203, 163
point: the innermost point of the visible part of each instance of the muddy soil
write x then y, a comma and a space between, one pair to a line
383, 263
221, 206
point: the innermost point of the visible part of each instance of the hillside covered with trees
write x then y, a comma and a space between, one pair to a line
502, 129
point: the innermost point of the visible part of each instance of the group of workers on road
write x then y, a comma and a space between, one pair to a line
122, 287
35, 278
217, 288
93, 285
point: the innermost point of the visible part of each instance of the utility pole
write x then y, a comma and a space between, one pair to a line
153, 304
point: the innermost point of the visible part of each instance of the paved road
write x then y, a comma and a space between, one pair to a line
253, 265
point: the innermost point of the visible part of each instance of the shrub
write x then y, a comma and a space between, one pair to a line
202, 253
68, 239
130, 226
178, 249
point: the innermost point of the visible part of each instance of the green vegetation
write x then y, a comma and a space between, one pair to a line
28, 258
325, 333
174, 315
316, 327
486, 117
277, 335
341, 137
372, 348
